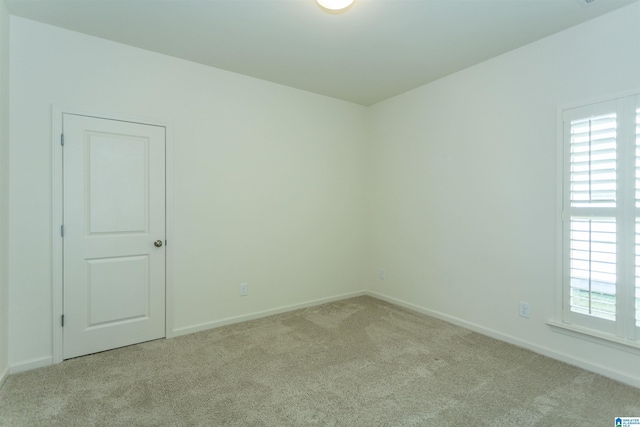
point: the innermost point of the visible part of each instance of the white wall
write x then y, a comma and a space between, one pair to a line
4, 191
268, 180
464, 186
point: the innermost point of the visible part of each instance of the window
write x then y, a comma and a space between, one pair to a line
600, 217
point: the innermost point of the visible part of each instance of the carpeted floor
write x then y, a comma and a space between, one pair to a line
358, 362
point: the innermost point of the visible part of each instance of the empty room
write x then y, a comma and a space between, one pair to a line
302, 212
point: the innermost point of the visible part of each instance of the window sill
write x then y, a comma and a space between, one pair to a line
595, 337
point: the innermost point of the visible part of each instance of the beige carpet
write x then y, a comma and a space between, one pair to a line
358, 362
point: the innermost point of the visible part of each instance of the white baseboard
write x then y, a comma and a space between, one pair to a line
598, 369
3, 376
47, 361
571, 360
252, 316
32, 364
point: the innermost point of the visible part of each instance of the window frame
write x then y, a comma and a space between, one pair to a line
623, 331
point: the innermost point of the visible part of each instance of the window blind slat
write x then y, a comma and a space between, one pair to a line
585, 144
598, 166
591, 157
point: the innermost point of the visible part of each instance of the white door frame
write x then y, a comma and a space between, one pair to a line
57, 210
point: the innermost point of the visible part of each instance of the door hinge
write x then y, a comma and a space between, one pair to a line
63, 320
62, 230
62, 139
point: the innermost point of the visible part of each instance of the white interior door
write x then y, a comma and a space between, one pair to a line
114, 234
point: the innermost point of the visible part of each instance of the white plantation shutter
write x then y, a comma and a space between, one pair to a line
593, 267
593, 162
601, 221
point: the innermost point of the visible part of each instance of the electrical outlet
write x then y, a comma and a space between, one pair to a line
244, 289
524, 309
381, 274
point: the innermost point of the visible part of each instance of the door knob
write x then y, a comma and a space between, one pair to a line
157, 243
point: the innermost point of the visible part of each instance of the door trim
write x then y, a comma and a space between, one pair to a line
57, 211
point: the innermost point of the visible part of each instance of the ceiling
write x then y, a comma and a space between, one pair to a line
375, 50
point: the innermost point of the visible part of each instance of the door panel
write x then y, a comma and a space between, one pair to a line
114, 210
107, 280
118, 202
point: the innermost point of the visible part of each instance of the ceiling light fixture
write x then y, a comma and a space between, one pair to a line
335, 6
